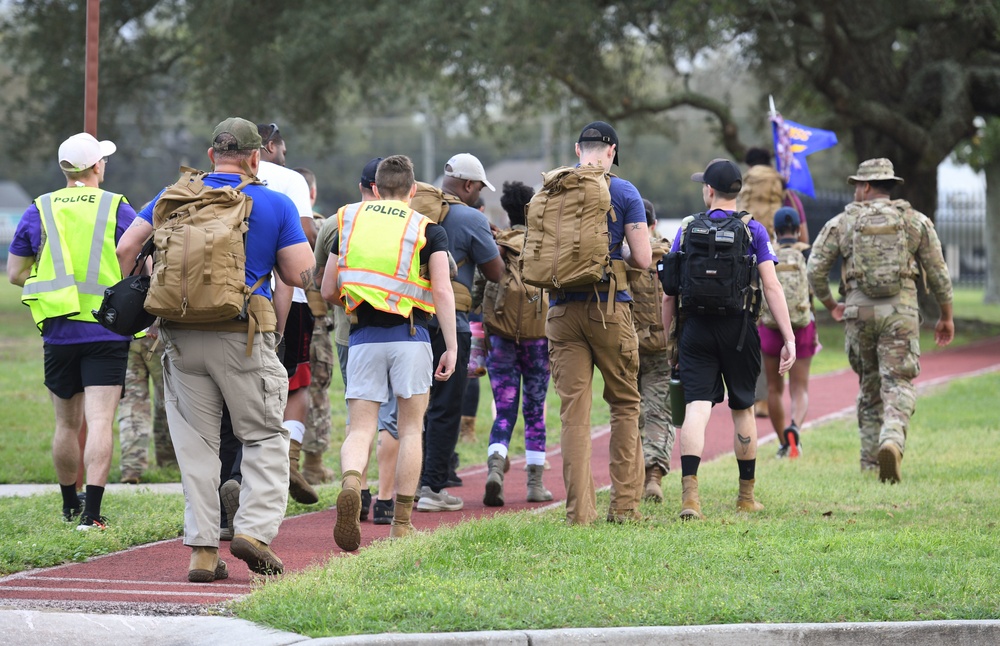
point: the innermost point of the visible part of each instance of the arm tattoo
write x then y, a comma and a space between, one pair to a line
308, 279
636, 226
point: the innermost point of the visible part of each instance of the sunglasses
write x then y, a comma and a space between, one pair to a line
270, 137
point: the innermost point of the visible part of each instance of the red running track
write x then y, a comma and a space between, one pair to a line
156, 573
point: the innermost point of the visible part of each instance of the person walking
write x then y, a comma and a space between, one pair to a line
887, 247
374, 271
137, 424
725, 254
63, 255
232, 361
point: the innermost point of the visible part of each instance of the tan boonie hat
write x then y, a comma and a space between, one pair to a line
875, 170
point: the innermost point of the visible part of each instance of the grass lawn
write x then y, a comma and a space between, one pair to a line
833, 544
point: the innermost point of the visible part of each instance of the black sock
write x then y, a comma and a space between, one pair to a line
747, 468
690, 464
70, 501
93, 505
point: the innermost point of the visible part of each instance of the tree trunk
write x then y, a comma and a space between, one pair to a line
992, 293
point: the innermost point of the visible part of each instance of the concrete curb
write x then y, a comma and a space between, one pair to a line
22, 490
44, 628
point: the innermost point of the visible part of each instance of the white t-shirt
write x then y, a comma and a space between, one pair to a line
290, 183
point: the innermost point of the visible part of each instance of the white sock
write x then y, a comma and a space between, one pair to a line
534, 457
296, 430
496, 448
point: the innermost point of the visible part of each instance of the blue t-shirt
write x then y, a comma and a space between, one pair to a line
470, 240
760, 242
629, 209
63, 331
274, 224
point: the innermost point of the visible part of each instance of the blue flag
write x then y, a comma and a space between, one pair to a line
792, 143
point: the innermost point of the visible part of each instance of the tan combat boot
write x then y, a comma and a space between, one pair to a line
401, 513
258, 556
654, 487
206, 566
536, 490
347, 529
467, 429
890, 460
314, 471
745, 501
690, 503
494, 481
300, 490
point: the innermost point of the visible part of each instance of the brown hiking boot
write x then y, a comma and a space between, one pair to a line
347, 530
536, 490
745, 501
314, 471
690, 503
654, 486
467, 429
130, 476
620, 517
206, 566
494, 481
890, 460
258, 556
300, 490
229, 497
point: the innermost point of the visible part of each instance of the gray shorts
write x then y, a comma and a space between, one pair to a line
372, 368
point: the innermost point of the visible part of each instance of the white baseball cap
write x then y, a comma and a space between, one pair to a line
466, 166
81, 151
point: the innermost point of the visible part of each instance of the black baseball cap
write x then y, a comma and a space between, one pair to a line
722, 175
368, 174
608, 136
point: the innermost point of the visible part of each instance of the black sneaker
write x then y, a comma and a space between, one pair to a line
453, 479
70, 513
366, 503
88, 522
782, 451
792, 441
383, 510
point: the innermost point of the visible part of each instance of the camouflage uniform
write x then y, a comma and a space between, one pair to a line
658, 433
318, 427
135, 419
882, 334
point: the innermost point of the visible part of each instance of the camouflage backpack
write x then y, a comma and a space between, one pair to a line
647, 299
566, 244
791, 272
879, 259
512, 309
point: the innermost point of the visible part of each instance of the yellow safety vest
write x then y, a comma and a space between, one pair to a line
77, 261
379, 259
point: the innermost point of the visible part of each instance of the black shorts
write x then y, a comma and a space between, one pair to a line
298, 336
71, 368
708, 357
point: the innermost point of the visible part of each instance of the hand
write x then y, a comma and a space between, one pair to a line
787, 358
446, 366
153, 331
838, 312
944, 332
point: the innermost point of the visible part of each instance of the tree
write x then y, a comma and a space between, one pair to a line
904, 78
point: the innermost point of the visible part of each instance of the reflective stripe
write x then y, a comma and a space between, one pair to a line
412, 232
63, 278
391, 284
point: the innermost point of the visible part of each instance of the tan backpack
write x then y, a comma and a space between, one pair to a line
566, 244
199, 263
647, 302
792, 274
762, 194
512, 309
431, 202
880, 257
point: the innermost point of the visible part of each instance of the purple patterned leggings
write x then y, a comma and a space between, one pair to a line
508, 363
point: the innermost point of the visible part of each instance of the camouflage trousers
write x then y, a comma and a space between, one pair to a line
658, 433
137, 420
883, 345
318, 428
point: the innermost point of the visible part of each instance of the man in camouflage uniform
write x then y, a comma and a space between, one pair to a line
882, 331
657, 431
135, 419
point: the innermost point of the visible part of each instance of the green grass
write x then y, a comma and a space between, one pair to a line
833, 544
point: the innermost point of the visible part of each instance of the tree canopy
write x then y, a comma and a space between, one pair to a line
897, 78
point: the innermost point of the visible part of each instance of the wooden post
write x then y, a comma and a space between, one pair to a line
90, 79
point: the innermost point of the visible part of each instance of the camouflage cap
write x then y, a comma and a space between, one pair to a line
875, 170
245, 133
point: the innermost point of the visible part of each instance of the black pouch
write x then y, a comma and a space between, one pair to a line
669, 271
122, 311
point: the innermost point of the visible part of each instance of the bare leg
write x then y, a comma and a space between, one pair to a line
745, 440
410, 455
798, 385
66, 445
387, 454
775, 394
692, 434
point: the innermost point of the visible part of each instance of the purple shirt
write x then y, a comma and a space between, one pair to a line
760, 243
63, 331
